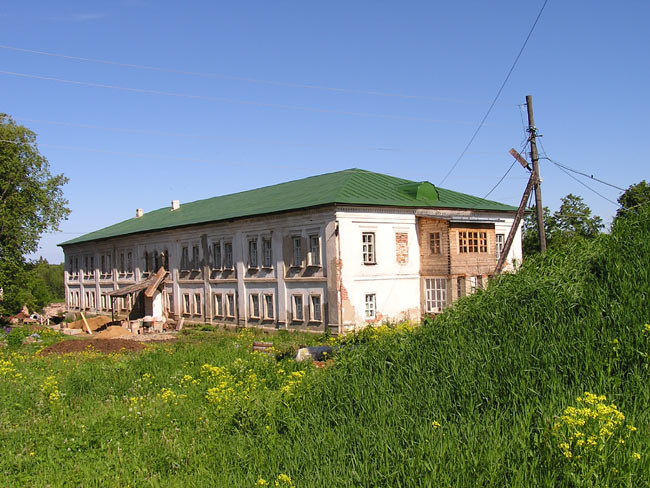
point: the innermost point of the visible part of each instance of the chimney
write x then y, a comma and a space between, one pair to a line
176, 204
138, 212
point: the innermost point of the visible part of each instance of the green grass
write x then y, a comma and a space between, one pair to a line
496, 372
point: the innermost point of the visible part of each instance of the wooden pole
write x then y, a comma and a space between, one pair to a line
515, 223
535, 159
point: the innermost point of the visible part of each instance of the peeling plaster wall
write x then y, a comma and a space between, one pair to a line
394, 279
281, 279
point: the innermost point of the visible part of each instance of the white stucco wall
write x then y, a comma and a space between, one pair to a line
395, 285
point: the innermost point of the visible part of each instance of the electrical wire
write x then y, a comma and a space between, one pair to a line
494, 101
222, 138
585, 185
231, 100
240, 78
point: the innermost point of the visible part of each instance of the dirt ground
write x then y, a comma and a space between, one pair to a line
98, 345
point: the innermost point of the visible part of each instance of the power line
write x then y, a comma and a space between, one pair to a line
240, 78
585, 185
222, 138
523, 144
231, 100
592, 177
494, 101
172, 158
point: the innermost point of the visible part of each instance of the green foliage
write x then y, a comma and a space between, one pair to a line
31, 203
634, 197
572, 221
471, 398
35, 285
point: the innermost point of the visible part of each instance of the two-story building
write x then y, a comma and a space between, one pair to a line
334, 251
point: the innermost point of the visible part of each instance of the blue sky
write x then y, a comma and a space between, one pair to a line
256, 93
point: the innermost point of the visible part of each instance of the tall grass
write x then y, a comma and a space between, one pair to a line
471, 398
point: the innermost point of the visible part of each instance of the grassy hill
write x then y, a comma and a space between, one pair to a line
540, 380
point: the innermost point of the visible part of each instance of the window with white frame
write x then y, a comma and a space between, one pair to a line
368, 240
230, 305
436, 294
269, 311
227, 255
314, 250
500, 241
197, 304
476, 283
298, 313
218, 305
254, 304
297, 251
216, 255
187, 310
103, 302
315, 308
371, 306
252, 252
267, 253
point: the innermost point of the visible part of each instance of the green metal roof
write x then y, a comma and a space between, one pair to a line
350, 186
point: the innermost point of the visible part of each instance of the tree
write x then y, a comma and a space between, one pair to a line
572, 221
31, 201
632, 198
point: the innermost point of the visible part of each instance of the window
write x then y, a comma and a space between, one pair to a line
146, 262
315, 309
298, 313
197, 304
155, 259
297, 251
500, 241
436, 294
476, 283
254, 305
230, 302
368, 239
218, 305
227, 255
195, 257
472, 241
252, 253
185, 258
129, 262
371, 306
460, 287
216, 255
186, 304
268, 306
106, 266
435, 242
164, 257
314, 250
267, 253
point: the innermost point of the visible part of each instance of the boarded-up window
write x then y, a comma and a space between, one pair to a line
402, 247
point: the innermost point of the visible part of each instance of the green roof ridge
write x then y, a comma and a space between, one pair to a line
352, 186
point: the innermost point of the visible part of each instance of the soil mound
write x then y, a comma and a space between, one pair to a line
111, 332
94, 323
98, 345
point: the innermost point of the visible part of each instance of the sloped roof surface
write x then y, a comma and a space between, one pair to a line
350, 186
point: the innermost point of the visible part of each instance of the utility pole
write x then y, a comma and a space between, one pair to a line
535, 159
